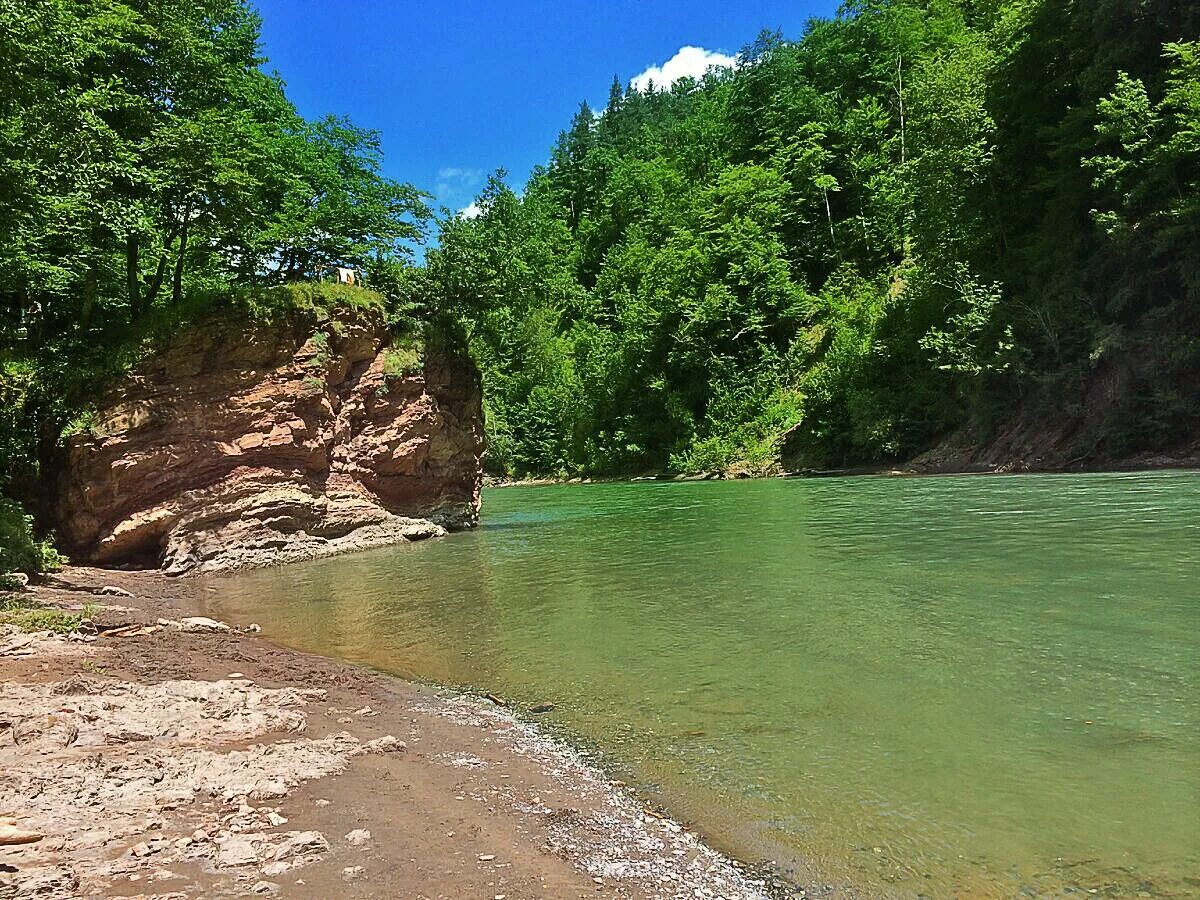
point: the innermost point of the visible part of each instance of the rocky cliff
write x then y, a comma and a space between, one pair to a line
243, 444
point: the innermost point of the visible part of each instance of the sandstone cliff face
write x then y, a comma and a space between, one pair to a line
241, 445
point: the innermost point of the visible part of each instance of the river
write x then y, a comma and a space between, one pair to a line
979, 686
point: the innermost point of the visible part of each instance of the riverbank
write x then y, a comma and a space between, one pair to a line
938, 461
159, 755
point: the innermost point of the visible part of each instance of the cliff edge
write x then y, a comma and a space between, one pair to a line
242, 443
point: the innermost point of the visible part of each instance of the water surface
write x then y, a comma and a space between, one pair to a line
900, 686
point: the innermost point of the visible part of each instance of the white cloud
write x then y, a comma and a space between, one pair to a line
459, 175
456, 186
474, 211
693, 61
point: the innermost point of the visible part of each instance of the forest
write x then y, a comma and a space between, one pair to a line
919, 218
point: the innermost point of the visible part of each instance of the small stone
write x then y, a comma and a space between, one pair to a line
269, 789
321, 801
253, 628
12, 834
275, 869
199, 835
235, 675
302, 842
358, 837
235, 851
385, 744
276, 819
350, 873
265, 887
111, 590
486, 857
141, 851
202, 623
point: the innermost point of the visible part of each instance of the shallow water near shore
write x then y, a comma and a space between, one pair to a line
898, 686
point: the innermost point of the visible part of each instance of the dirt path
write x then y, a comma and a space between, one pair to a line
162, 758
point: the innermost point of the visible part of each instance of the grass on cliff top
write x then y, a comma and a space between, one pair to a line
274, 302
309, 296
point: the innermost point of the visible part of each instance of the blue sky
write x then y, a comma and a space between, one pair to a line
458, 89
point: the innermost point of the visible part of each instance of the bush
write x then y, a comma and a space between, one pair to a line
403, 361
744, 428
20, 551
18, 426
30, 616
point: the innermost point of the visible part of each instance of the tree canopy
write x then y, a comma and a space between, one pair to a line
147, 159
918, 216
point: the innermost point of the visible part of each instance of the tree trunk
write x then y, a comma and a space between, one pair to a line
91, 287
156, 283
133, 276
161, 272
177, 278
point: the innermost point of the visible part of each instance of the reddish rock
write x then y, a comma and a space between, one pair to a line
240, 445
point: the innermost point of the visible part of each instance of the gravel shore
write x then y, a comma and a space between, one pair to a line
155, 754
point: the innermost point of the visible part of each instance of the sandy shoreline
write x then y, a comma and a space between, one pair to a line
162, 761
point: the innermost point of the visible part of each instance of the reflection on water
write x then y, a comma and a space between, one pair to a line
918, 686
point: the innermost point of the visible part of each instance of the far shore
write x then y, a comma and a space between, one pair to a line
1154, 463
156, 753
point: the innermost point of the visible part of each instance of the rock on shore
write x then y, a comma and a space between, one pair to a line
243, 444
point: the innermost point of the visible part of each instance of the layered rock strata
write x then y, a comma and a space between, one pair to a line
244, 444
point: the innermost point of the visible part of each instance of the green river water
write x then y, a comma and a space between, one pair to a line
972, 686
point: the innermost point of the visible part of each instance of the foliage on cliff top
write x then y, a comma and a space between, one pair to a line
270, 303
919, 214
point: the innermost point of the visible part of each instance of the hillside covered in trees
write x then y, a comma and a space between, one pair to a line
921, 218
919, 221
